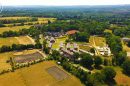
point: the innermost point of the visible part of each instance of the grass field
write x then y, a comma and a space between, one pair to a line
36, 75
14, 28
97, 41
121, 79
16, 40
107, 30
85, 46
3, 58
59, 40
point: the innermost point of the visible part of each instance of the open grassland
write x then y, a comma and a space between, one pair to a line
36, 75
121, 79
58, 41
3, 60
5, 56
13, 28
16, 40
8, 41
97, 41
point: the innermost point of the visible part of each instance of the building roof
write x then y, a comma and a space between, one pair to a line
71, 32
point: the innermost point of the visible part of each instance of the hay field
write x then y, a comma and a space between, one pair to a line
8, 41
16, 40
36, 75
14, 28
9, 18
3, 58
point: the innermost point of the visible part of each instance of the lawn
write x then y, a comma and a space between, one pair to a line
59, 40
107, 30
14, 28
16, 40
121, 79
85, 46
36, 75
97, 41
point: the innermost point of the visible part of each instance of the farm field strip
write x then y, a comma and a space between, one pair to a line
13, 28
16, 40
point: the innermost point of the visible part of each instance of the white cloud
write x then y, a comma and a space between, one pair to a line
64, 2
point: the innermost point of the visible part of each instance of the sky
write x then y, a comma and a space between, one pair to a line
64, 2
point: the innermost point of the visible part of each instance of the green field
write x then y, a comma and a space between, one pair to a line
59, 40
97, 41
36, 75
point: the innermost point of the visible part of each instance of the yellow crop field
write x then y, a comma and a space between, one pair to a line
14, 28
16, 40
37, 75
9, 18
3, 60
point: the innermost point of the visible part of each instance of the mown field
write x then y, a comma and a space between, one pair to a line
97, 41
36, 75
16, 40
59, 40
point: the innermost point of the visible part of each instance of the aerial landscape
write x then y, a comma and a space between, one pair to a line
65, 43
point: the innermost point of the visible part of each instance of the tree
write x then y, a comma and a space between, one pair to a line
76, 56
121, 57
128, 44
87, 60
56, 55
109, 73
96, 79
98, 61
126, 67
92, 50
81, 36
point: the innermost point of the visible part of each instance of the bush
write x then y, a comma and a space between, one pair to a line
126, 67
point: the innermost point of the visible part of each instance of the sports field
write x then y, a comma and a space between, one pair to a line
37, 75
